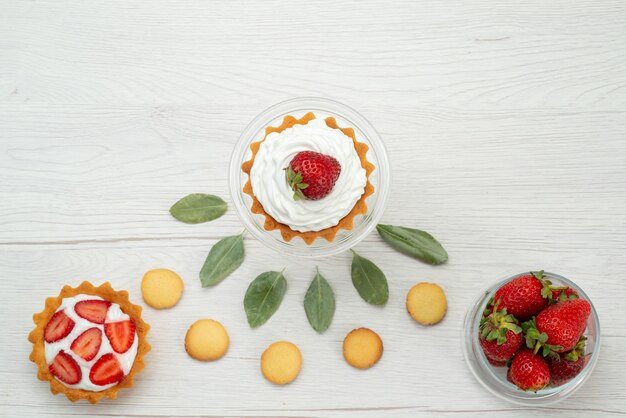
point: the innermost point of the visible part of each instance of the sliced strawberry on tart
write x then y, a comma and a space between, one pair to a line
93, 310
59, 326
89, 342
106, 371
121, 335
65, 368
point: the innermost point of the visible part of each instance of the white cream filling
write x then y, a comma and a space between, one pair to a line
271, 189
114, 314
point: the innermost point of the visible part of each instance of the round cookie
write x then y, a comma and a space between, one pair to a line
426, 303
362, 348
206, 340
281, 362
161, 288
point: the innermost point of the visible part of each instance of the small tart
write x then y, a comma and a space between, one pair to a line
360, 208
41, 319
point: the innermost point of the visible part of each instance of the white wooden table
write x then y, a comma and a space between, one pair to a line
506, 128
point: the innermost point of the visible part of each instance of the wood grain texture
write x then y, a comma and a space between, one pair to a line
505, 125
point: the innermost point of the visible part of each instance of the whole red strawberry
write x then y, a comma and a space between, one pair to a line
524, 296
529, 371
564, 367
312, 175
562, 370
563, 323
500, 337
498, 354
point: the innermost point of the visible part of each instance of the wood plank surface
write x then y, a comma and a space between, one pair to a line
506, 130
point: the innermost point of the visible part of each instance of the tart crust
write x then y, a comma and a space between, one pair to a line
105, 291
360, 208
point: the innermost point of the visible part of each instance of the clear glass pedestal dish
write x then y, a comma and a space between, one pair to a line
380, 178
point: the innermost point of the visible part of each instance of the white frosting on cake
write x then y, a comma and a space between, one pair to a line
270, 187
114, 314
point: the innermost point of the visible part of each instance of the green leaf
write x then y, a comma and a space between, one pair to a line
198, 207
369, 280
264, 296
224, 258
413, 242
319, 303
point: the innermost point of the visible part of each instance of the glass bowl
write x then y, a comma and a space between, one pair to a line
494, 378
380, 178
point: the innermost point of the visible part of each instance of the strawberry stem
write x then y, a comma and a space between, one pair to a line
294, 179
497, 324
546, 290
578, 350
536, 340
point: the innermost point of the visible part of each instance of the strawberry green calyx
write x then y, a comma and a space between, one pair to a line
553, 293
578, 351
546, 290
562, 293
564, 296
488, 309
294, 179
496, 325
536, 340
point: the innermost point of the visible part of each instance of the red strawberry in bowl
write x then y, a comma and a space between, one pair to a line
558, 327
529, 371
312, 175
566, 366
500, 336
525, 296
564, 370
